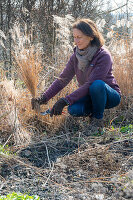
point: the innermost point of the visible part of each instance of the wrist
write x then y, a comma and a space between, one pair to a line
42, 99
66, 101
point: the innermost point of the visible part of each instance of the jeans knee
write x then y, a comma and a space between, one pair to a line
72, 110
76, 110
97, 86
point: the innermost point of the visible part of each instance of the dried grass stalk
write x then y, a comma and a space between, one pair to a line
29, 68
27, 57
9, 122
123, 72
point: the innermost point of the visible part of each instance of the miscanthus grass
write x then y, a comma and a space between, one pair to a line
10, 124
119, 40
62, 43
121, 47
27, 58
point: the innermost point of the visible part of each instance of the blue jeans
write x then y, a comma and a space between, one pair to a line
101, 96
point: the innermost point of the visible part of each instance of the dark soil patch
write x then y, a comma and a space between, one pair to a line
42, 154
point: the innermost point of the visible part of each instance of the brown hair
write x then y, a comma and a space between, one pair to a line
89, 28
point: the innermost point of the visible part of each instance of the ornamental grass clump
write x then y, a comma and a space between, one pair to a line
10, 125
121, 47
29, 67
28, 62
123, 71
27, 59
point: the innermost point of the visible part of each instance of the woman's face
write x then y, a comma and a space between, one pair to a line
80, 39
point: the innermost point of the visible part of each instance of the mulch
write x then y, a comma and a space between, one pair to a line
70, 166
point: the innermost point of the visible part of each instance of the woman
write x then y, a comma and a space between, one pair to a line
92, 65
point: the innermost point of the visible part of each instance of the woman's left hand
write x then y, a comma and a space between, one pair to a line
58, 107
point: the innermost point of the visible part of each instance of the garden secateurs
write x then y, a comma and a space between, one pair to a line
48, 111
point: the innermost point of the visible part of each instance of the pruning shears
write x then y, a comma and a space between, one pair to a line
48, 111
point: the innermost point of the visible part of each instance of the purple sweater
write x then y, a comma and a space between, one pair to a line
100, 68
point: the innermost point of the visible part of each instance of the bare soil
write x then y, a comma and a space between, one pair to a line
72, 165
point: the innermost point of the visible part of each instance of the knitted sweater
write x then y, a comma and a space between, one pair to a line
100, 68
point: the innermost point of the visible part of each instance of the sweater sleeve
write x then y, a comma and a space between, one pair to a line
99, 72
64, 78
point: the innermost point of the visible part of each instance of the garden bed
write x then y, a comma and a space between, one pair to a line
71, 165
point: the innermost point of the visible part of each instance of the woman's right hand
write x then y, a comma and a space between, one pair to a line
36, 102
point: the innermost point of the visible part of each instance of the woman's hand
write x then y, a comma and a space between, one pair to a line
58, 107
36, 102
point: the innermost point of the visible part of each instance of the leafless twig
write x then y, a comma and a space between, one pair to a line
49, 175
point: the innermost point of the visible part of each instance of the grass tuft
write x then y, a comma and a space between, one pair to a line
29, 68
27, 58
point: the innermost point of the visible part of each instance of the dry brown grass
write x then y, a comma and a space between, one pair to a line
10, 125
27, 59
28, 117
29, 68
123, 72
95, 161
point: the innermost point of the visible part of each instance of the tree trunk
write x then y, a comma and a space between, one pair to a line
10, 41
